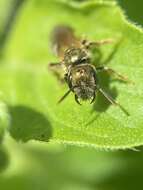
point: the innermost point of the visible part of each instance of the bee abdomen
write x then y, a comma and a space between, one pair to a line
62, 37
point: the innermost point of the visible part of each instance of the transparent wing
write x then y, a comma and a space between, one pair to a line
62, 38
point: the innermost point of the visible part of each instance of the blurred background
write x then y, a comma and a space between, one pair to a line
38, 166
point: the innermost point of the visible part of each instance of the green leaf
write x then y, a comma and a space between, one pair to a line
5, 6
4, 119
32, 92
4, 158
38, 165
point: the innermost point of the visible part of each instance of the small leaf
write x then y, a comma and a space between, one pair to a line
26, 82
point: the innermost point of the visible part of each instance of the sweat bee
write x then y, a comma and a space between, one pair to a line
80, 73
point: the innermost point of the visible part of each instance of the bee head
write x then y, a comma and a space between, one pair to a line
82, 79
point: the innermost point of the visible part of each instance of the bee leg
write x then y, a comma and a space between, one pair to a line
66, 77
89, 44
112, 101
77, 100
111, 71
57, 70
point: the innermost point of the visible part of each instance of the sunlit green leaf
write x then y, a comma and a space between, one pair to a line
4, 119
32, 92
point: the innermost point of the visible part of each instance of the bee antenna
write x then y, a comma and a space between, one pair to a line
67, 93
64, 96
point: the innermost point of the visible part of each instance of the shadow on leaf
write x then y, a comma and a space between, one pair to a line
101, 104
28, 124
4, 160
104, 79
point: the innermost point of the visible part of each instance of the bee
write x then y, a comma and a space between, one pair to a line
76, 67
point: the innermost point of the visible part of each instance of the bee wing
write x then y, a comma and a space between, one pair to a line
62, 38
